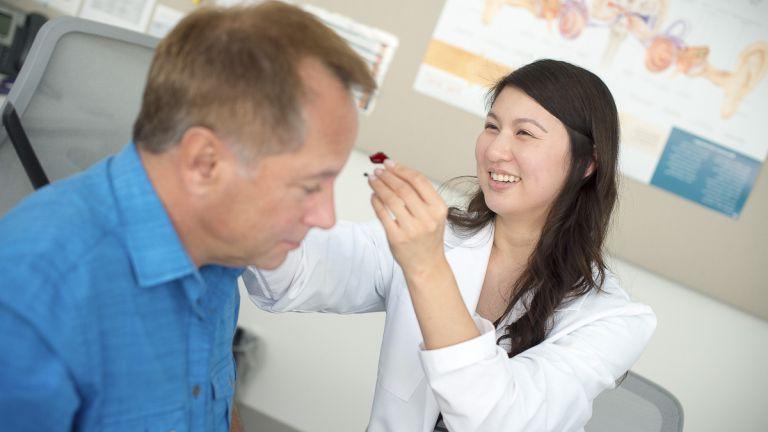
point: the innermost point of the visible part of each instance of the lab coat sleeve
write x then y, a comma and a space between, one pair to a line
347, 269
549, 387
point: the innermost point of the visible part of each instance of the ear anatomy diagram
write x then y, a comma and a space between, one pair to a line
665, 45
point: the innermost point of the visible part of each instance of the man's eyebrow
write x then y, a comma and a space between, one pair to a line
493, 115
329, 173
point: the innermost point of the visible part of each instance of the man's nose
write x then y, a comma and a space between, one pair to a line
322, 214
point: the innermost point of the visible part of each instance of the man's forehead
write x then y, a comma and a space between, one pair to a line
308, 165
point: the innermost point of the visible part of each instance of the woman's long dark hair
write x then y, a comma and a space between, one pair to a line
567, 260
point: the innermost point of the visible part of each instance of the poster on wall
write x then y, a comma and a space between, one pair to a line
163, 21
68, 7
130, 14
375, 46
688, 76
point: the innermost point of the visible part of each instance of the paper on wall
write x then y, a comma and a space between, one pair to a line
68, 7
375, 46
163, 20
130, 14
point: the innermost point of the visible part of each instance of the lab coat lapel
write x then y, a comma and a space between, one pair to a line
468, 259
400, 366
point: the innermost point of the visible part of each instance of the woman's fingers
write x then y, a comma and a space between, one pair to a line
414, 227
405, 192
383, 214
419, 183
391, 201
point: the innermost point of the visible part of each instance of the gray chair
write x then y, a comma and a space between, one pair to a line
73, 103
636, 405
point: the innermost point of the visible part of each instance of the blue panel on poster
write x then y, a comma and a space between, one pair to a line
706, 173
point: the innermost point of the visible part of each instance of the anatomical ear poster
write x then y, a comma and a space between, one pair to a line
688, 76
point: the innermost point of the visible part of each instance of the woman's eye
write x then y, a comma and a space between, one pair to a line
524, 132
491, 126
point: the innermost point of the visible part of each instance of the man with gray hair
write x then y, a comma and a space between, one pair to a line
118, 286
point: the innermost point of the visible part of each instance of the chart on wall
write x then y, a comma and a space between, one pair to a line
376, 47
130, 14
688, 76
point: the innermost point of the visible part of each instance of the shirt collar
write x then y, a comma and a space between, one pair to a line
154, 246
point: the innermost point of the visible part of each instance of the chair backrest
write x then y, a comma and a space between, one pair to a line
77, 96
636, 405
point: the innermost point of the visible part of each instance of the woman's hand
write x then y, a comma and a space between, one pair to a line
413, 215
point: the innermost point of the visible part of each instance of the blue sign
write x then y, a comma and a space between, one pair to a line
706, 172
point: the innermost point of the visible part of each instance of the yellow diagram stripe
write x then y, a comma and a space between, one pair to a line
464, 64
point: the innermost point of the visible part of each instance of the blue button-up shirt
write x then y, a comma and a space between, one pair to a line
105, 322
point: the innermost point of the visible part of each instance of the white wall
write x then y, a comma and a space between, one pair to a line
711, 356
317, 372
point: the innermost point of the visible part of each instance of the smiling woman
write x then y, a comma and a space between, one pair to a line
501, 315
554, 124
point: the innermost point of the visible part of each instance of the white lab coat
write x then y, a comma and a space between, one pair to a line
550, 387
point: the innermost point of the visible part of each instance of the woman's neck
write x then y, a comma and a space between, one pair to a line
516, 237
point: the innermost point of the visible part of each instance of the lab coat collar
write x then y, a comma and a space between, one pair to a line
468, 257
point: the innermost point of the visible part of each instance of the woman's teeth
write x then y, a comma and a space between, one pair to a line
505, 178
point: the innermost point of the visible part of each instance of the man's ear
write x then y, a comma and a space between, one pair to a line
203, 157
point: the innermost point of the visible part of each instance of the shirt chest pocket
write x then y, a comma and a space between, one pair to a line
223, 389
171, 421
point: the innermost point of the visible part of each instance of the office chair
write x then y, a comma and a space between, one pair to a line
636, 405
73, 103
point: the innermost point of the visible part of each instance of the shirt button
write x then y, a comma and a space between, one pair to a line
196, 391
